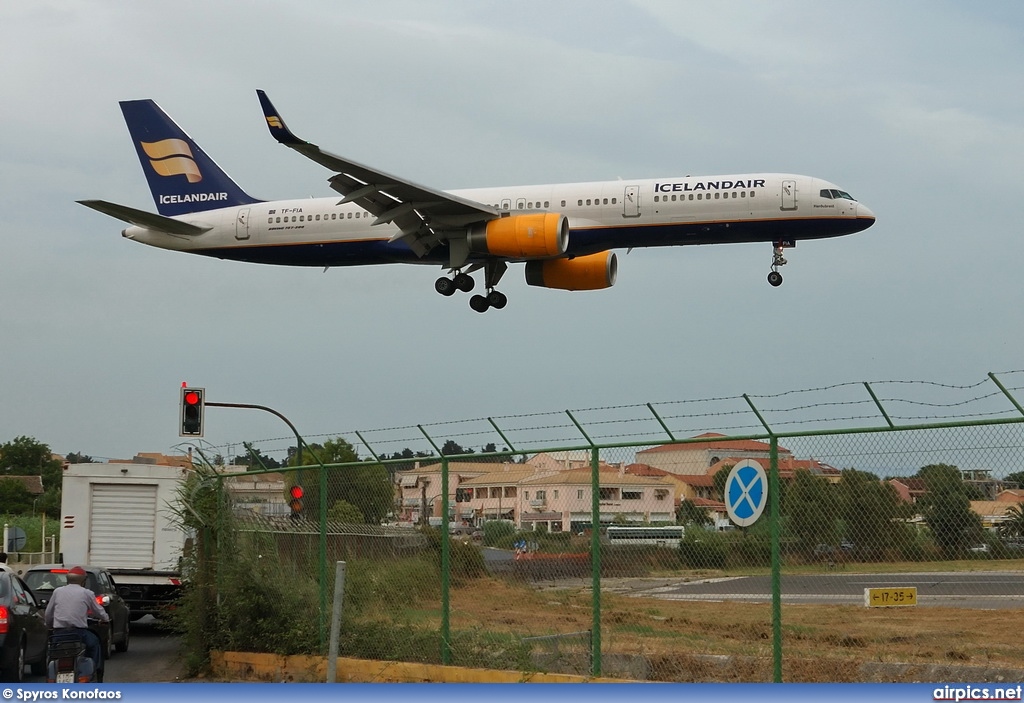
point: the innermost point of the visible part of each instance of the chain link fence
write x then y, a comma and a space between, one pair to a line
616, 555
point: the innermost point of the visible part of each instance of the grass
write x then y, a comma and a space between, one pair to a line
820, 642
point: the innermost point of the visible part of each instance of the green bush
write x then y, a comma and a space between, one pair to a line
702, 549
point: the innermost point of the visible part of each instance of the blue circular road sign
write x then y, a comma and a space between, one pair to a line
746, 493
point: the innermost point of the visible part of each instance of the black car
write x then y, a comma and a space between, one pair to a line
45, 578
23, 634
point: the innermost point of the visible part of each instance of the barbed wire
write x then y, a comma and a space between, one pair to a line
610, 423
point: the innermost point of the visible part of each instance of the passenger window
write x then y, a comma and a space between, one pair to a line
547, 204
751, 194
700, 196
588, 201
529, 206
656, 199
563, 204
716, 196
613, 201
606, 201
743, 193
579, 203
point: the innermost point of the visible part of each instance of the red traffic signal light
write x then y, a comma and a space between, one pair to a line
296, 493
192, 410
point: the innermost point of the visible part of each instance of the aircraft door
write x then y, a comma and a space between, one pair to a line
789, 195
631, 202
242, 224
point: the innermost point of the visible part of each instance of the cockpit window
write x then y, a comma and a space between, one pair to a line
833, 193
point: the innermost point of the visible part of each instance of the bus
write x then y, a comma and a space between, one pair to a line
666, 536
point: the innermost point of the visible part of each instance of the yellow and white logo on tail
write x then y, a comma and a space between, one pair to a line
275, 121
172, 157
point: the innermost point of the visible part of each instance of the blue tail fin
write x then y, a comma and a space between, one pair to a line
180, 174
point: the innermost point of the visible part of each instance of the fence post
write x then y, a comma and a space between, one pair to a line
339, 600
595, 562
773, 501
446, 565
446, 641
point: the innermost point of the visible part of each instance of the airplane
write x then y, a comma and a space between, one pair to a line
563, 233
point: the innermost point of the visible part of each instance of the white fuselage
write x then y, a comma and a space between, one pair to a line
603, 215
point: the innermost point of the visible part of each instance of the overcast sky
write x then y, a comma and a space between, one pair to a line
916, 108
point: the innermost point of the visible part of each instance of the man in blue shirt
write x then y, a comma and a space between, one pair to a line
70, 608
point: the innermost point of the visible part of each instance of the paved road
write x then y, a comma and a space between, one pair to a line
152, 657
986, 590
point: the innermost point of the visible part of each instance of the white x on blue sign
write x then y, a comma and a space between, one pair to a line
746, 493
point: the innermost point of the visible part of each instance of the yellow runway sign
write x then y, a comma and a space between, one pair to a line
890, 597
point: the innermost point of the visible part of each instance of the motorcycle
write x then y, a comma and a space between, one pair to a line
67, 661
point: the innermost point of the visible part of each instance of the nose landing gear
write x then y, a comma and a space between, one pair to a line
775, 278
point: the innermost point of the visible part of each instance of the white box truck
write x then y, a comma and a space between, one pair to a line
121, 517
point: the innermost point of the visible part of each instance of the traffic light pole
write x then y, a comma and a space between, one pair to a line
298, 438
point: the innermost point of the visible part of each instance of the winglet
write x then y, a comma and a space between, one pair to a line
278, 129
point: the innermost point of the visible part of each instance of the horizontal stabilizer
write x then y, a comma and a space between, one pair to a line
141, 218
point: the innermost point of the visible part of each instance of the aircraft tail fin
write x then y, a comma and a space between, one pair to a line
181, 176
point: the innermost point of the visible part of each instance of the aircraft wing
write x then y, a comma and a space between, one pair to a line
426, 217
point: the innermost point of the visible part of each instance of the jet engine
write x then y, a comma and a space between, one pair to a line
591, 272
537, 236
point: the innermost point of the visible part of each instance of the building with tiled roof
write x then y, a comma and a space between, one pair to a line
697, 457
788, 466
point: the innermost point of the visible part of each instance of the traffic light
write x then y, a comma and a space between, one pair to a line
192, 410
295, 503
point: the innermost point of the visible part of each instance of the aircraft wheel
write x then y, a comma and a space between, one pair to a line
479, 303
775, 278
445, 286
464, 282
497, 300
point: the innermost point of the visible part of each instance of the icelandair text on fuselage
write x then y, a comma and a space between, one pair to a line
65, 694
707, 185
192, 198
977, 693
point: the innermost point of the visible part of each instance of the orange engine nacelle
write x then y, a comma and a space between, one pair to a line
522, 236
591, 272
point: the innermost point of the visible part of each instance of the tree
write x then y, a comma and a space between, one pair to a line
452, 448
947, 509
79, 458
871, 512
366, 486
255, 459
718, 481
810, 508
25, 456
1013, 526
689, 514
14, 497
1016, 477
343, 511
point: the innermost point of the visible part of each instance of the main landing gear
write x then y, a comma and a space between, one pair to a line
775, 278
464, 282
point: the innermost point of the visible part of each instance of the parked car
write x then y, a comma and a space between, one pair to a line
23, 634
45, 578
